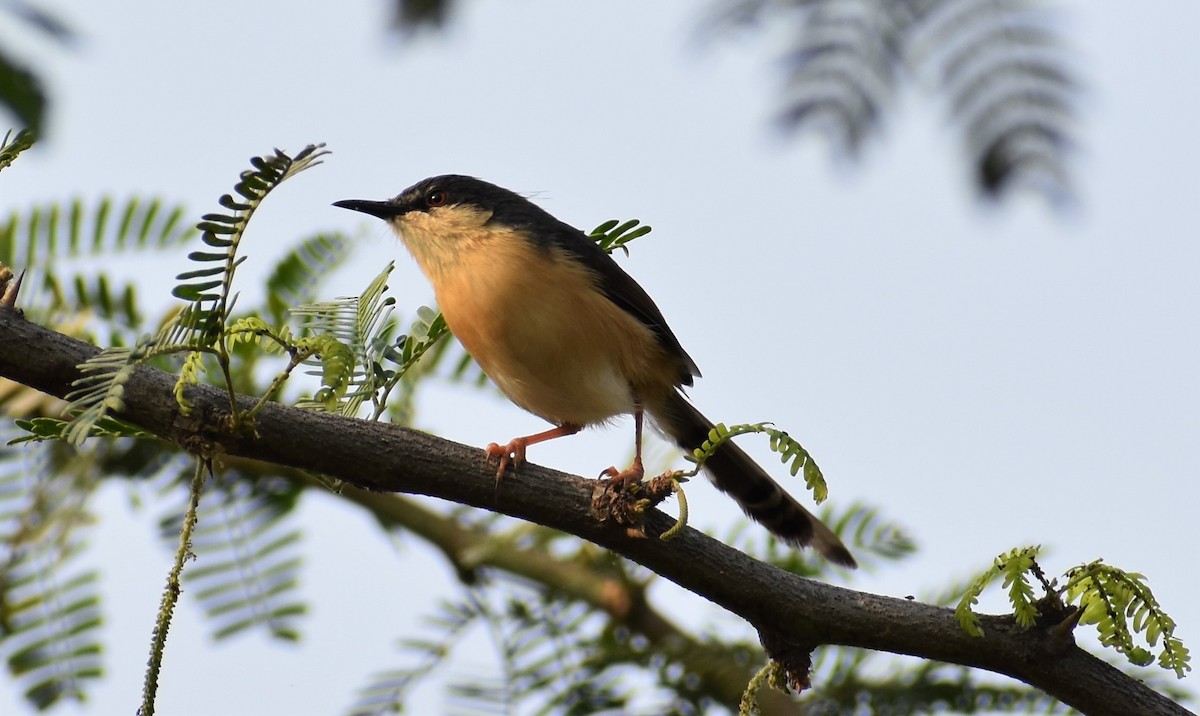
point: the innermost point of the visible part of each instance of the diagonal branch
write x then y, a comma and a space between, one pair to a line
791, 613
625, 603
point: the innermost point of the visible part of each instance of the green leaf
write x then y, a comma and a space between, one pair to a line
964, 612
1013, 566
98, 390
337, 366
1121, 606
788, 449
41, 429
9, 151
613, 235
225, 231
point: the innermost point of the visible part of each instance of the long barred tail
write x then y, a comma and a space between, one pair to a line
759, 496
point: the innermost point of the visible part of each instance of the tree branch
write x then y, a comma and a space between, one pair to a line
625, 603
792, 614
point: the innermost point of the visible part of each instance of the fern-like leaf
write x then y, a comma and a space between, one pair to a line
426, 337
1121, 605
550, 652
254, 330
1117, 602
43, 429
1001, 66
209, 288
99, 390
295, 277
49, 609
788, 449
356, 325
337, 368
1012, 566
999, 63
55, 243
1016, 567
189, 374
90, 306
46, 235
372, 328
613, 234
387, 691
549, 648
364, 325
868, 532
842, 70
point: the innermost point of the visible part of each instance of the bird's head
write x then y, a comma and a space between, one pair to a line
441, 217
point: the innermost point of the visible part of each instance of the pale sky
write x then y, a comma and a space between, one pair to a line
987, 378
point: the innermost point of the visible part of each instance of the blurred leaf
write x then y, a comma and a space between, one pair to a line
49, 608
296, 276
1001, 66
247, 573
415, 14
21, 91
41, 20
853, 681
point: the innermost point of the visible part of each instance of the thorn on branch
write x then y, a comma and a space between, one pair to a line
9, 288
1057, 619
1063, 632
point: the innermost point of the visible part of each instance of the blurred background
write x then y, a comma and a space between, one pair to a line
946, 245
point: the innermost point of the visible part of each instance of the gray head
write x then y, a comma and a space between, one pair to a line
455, 194
444, 218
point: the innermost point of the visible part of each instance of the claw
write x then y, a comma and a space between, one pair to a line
624, 478
510, 454
514, 452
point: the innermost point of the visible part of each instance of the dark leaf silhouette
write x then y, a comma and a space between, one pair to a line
1001, 66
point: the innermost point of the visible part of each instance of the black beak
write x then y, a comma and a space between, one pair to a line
380, 209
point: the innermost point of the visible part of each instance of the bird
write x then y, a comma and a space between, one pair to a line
566, 334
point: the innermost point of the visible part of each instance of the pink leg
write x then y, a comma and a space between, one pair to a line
635, 472
514, 451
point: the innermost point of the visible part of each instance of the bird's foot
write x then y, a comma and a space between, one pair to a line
623, 498
622, 479
511, 454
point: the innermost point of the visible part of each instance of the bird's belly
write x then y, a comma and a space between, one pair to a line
549, 339
586, 388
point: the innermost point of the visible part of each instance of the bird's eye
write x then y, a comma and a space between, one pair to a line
435, 197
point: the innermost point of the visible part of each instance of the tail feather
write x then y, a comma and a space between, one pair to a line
759, 496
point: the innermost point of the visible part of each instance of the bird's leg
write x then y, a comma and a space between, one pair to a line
514, 451
635, 472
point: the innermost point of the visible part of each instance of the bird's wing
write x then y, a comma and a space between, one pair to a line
621, 289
